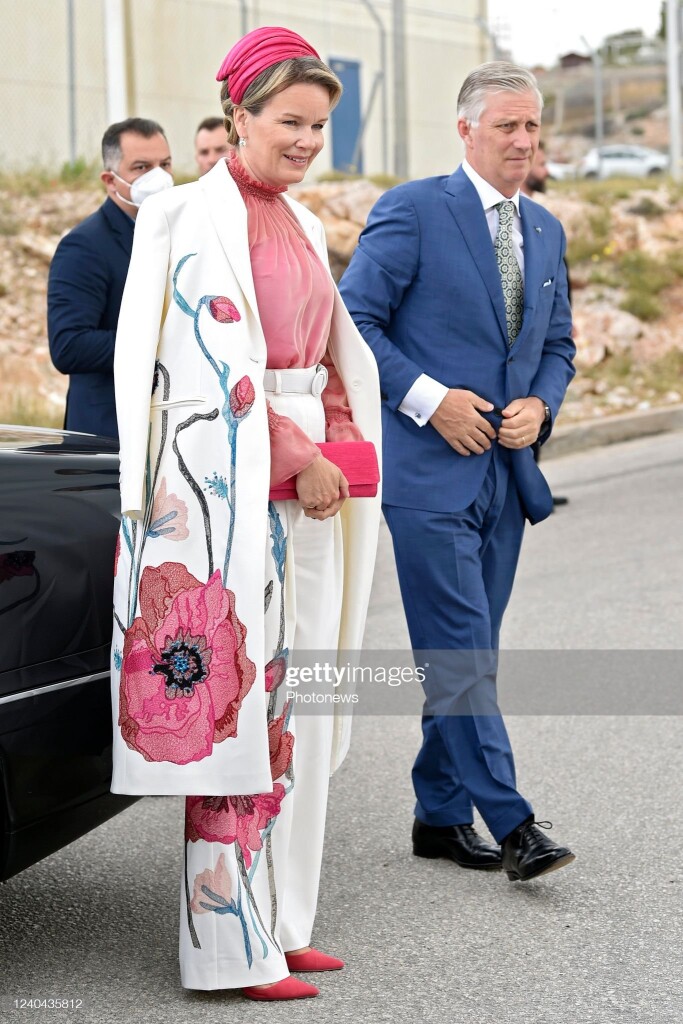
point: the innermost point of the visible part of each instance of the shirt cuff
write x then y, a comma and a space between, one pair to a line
423, 399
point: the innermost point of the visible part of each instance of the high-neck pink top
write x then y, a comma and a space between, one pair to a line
295, 297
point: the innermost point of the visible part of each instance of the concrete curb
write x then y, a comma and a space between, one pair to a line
579, 437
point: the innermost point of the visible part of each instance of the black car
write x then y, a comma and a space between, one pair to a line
59, 506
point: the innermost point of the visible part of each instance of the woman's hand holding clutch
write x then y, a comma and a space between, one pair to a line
322, 489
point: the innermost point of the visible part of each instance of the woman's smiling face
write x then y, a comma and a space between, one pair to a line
284, 139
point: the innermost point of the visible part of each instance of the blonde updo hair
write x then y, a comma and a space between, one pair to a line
294, 71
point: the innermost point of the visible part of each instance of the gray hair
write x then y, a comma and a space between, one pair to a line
494, 76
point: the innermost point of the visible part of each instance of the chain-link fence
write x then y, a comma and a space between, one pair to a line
70, 67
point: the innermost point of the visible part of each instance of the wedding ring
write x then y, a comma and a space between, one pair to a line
523, 439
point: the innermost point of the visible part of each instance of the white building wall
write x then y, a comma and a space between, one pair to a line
176, 46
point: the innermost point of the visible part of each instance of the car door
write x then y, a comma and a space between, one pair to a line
58, 528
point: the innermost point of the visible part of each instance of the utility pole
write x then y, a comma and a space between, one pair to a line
71, 62
484, 27
244, 17
400, 107
383, 73
597, 89
673, 50
115, 60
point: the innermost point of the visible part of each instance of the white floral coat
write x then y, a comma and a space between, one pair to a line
189, 655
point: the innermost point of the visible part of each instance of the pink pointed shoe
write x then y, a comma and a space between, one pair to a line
313, 960
288, 988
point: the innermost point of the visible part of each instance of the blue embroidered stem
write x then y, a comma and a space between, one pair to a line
279, 550
132, 576
126, 536
245, 930
251, 903
177, 297
200, 341
232, 439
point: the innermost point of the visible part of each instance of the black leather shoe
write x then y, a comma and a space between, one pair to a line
459, 843
527, 853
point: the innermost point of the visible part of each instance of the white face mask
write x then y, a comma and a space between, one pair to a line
148, 184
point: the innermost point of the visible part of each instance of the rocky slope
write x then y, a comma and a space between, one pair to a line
623, 361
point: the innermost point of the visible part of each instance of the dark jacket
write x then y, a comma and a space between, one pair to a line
84, 292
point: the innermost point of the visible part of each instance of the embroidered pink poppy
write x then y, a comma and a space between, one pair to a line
275, 672
223, 310
169, 515
230, 819
185, 671
213, 890
280, 746
242, 398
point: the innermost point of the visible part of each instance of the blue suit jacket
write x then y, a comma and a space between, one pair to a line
84, 292
425, 292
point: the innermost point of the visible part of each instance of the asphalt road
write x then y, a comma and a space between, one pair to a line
601, 941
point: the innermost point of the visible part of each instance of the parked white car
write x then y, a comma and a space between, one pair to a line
560, 172
622, 161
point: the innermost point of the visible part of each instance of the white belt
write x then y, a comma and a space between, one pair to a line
308, 380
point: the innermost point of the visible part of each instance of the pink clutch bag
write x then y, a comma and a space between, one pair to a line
357, 461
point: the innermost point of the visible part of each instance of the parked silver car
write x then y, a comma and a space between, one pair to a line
622, 161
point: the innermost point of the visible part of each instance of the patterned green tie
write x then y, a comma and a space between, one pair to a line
510, 274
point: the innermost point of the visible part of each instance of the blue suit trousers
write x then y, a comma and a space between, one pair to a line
456, 572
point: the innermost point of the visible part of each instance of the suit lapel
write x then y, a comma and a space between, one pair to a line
229, 217
534, 261
465, 206
121, 225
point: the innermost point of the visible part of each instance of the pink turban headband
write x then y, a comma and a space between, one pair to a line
257, 51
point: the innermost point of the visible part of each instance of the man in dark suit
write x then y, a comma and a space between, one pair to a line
89, 268
459, 288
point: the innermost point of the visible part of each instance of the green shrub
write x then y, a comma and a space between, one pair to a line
29, 411
79, 173
8, 224
338, 176
586, 247
615, 369
666, 373
642, 273
385, 181
642, 305
646, 207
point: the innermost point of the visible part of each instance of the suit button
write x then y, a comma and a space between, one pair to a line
511, 359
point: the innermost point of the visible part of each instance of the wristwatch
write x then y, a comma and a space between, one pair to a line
546, 414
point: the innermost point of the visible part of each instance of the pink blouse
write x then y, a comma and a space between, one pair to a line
295, 296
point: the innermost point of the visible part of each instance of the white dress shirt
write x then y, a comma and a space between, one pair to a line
427, 394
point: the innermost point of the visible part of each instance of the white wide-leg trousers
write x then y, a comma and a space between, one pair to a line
243, 907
